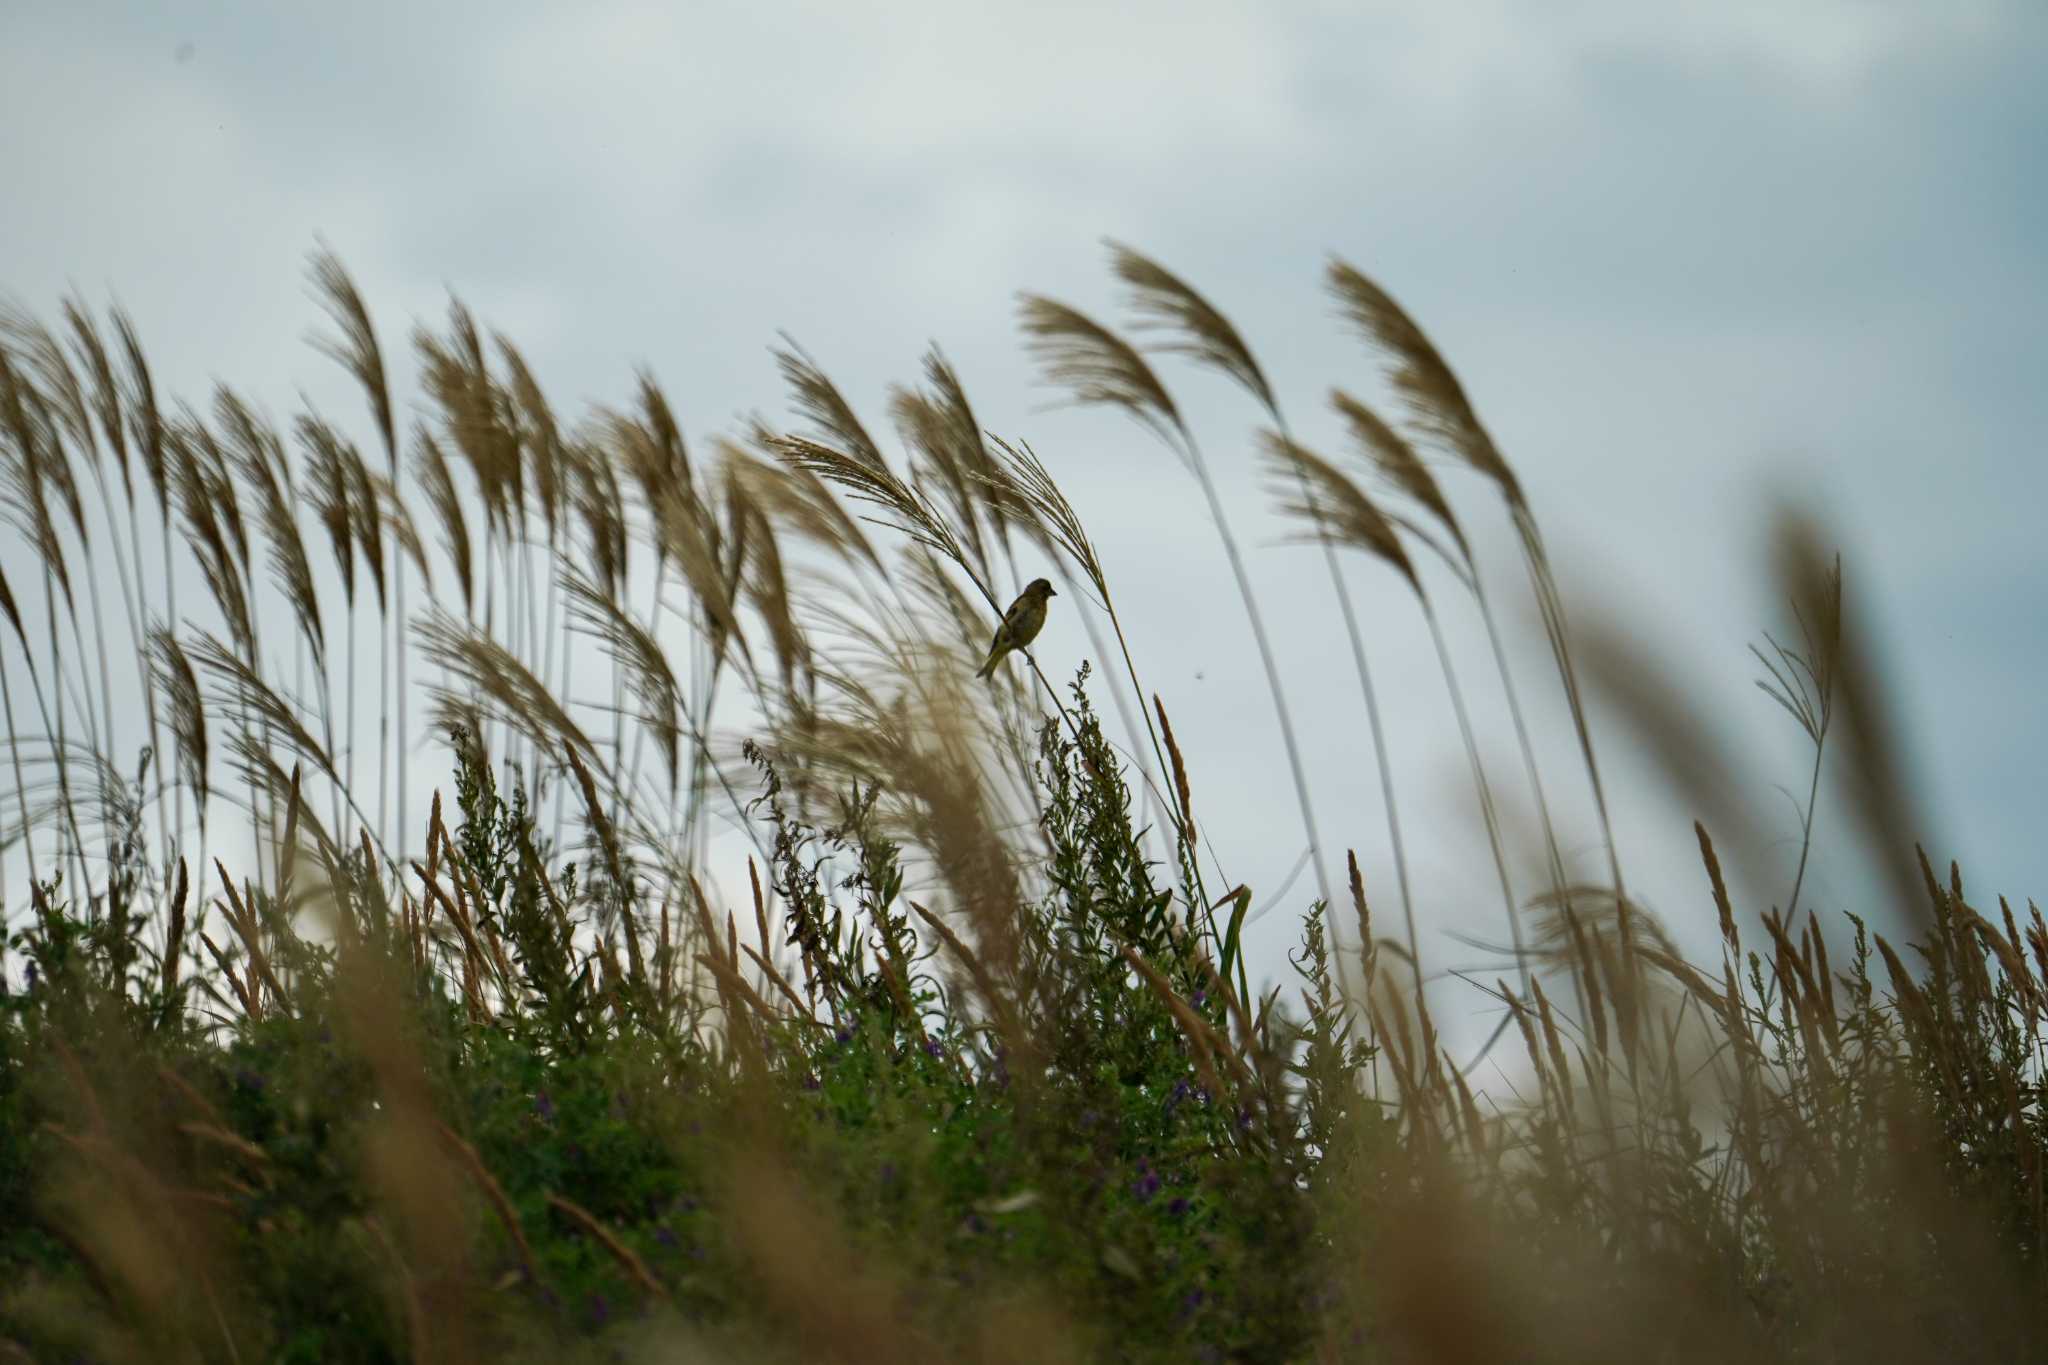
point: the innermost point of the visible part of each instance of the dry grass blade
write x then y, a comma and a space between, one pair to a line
24, 477
61, 399
91, 350
951, 459
1433, 395
1336, 509
800, 500
240, 686
599, 504
1022, 483
476, 414
1881, 782
430, 468
605, 1238
650, 444
639, 656
687, 533
818, 399
208, 510
12, 611
146, 423
1165, 302
909, 512
767, 583
1397, 461
538, 432
964, 433
328, 458
397, 519
355, 348
175, 675
490, 673
259, 457
1097, 366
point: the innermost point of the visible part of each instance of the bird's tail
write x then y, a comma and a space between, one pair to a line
988, 670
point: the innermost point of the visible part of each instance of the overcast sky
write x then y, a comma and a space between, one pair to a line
1682, 256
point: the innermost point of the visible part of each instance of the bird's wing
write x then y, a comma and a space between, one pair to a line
1017, 612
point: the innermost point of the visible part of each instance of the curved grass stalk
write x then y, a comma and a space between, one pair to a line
1205, 335
1481, 787
1099, 367
1440, 408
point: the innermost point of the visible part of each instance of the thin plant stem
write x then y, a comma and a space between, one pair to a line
1372, 715
1483, 790
1258, 623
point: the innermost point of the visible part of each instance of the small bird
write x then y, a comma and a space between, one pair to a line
1021, 624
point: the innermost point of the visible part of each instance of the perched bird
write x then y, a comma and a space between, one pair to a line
1021, 624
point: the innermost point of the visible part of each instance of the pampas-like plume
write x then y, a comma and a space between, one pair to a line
908, 510
365, 525
1098, 366
258, 456
25, 472
60, 406
639, 655
175, 676
207, 528
538, 433
820, 400
1346, 515
485, 669
91, 351
356, 348
597, 499
1167, 303
327, 461
689, 536
1432, 393
239, 686
145, 419
430, 467
767, 582
945, 461
1396, 461
801, 500
475, 414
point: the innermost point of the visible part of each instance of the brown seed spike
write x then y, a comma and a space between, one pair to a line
1180, 772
